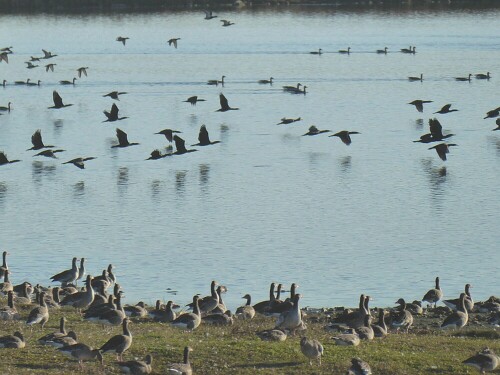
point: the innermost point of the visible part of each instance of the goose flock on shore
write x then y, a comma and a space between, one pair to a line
95, 304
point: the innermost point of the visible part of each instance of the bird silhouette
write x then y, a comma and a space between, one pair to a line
168, 133
498, 124
156, 154
318, 52
30, 65
493, 113
224, 105
313, 130
47, 54
344, 136
442, 149
436, 133
203, 138
48, 153
65, 82
36, 140
58, 103
193, 100
415, 79
173, 42
285, 120
180, 146
419, 104
483, 76
346, 51
122, 139
446, 109
122, 39
209, 15
49, 67
79, 162
114, 95
82, 70
4, 160
266, 81
226, 23
113, 114
463, 79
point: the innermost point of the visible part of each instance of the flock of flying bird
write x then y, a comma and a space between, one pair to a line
96, 305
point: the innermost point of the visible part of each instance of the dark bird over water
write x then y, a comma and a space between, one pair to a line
436, 133
48, 153
215, 82
483, 76
313, 130
318, 52
122, 39
113, 114
82, 70
156, 154
415, 79
266, 81
36, 140
446, 109
226, 23
463, 79
79, 162
285, 120
173, 42
224, 105
209, 15
64, 82
47, 54
115, 94
193, 100
498, 124
180, 146
344, 136
419, 104
30, 65
382, 51
292, 88
442, 149
345, 51
58, 103
203, 138
49, 67
122, 139
4, 160
493, 113
168, 133
408, 50
4, 56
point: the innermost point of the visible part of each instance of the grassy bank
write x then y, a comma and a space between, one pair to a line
237, 350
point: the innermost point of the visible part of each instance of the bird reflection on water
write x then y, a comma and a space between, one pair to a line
204, 176
419, 124
79, 189
438, 177
3, 192
39, 170
122, 180
180, 183
345, 163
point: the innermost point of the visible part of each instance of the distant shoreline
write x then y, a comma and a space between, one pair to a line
145, 6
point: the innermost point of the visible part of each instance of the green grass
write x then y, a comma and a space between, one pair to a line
237, 350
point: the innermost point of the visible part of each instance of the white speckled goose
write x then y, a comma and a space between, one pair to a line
291, 319
39, 314
247, 311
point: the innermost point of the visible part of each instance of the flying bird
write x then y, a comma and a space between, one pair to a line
203, 138
113, 114
47, 54
122, 139
156, 154
4, 160
79, 162
442, 149
180, 146
115, 94
36, 140
446, 109
224, 105
436, 133
209, 15
30, 65
285, 120
168, 133
48, 153
313, 130
344, 136
173, 42
49, 67
226, 23
419, 104
58, 103
193, 100
493, 113
82, 70
122, 39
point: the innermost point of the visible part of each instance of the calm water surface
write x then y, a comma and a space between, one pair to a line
383, 216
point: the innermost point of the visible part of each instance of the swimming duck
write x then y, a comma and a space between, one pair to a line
463, 79
485, 360
22, 82
31, 84
112, 115
482, 76
419, 104
224, 104
318, 52
79, 162
183, 368
442, 149
312, 349
122, 139
216, 82
68, 82
266, 81
58, 103
345, 51
414, 79
409, 50
382, 51
292, 88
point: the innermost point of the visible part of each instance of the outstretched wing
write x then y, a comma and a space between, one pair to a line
58, 103
122, 137
3, 158
36, 139
179, 144
114, 111
435, 128
203, 136
224, 105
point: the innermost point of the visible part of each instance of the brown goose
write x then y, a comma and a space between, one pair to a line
137, 367
138, 310
272, 335
4, 266
380, 329
366, 331
9, 312
277, 308
50, 336
459, 318
81, 352
485, 360
189, 321
402, 318
119, 343
433, 295
81, 300
247, 311
263, 306
225, 319
59, 342
208, 303
348, 338
291, 319
163, 315
454, 304
353, 319
183, 368
15, 341
359, 367
312, 349
39, 314
6, 286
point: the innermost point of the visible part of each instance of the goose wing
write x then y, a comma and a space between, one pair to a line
435, 128
57, 99
36, 139
179, 144
3, 158
223, 102
203, 136
122, 137
114, 111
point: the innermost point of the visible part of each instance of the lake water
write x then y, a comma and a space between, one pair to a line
383, 216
